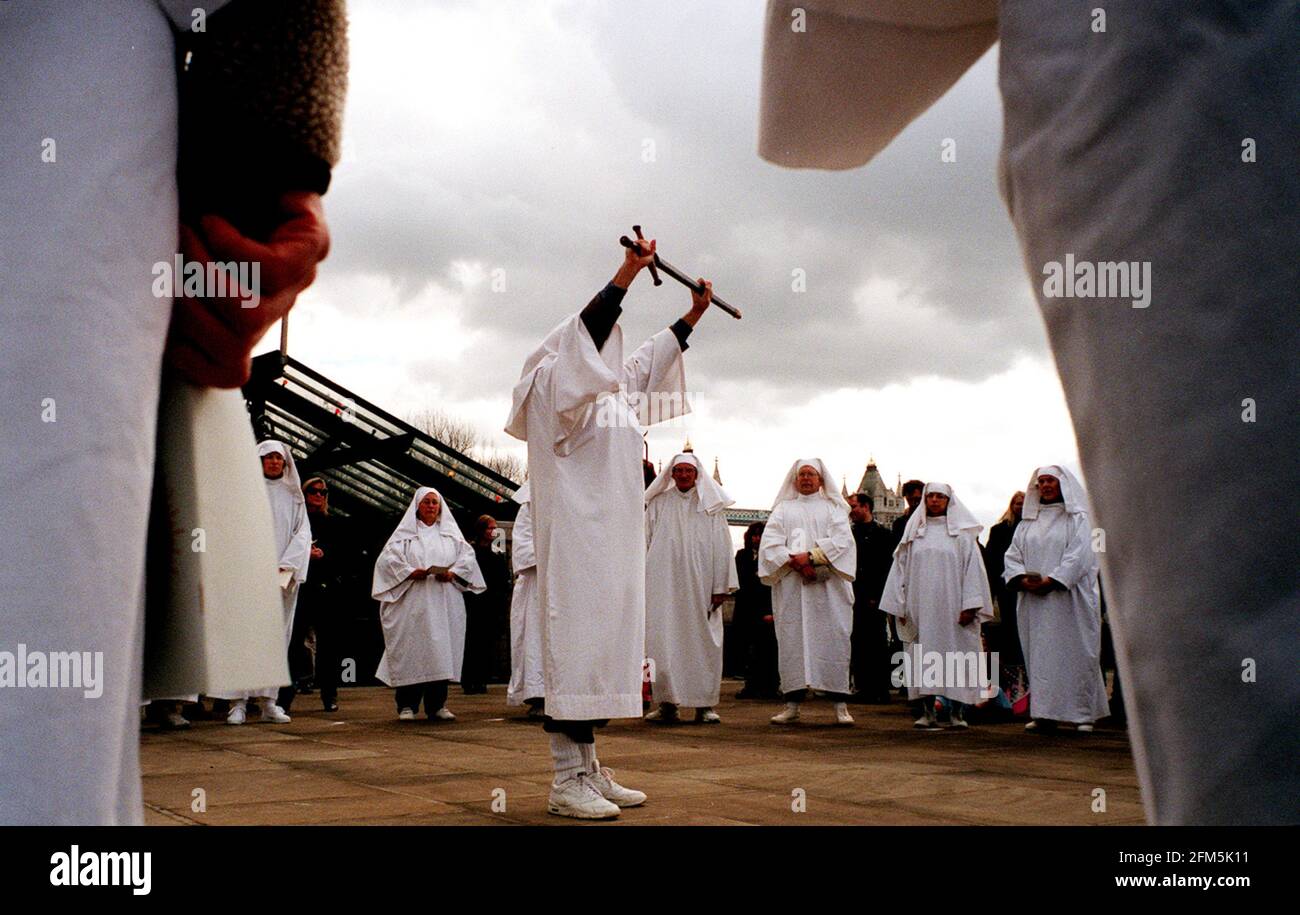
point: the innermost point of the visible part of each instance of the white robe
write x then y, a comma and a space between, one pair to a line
424, 621
584, 465
689, 559
814, 620
933, 579
1060, 631
293, 538
526, 675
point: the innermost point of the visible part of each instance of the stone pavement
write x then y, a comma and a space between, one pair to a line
361, 766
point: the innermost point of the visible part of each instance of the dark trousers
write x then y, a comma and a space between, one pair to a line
870, 666
761, 671
482, 630
577, 731
799, 695
329, 661
434, 694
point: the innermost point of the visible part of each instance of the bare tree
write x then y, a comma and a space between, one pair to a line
461, 436
453, 432
503, 462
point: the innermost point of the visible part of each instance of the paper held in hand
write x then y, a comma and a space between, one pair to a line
214, 618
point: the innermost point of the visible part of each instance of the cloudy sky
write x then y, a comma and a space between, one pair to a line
510, 140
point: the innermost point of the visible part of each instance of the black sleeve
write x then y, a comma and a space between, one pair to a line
681, 330
602, 312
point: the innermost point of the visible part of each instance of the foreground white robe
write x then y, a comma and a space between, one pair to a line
933, 579
292, 531
688, 560
526, 674
424, 621
814, 621
1060, 631
1209, 223
584, 465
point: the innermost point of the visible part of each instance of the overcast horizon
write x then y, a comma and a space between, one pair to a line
489, 145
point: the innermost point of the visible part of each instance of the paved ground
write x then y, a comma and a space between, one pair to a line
361, 766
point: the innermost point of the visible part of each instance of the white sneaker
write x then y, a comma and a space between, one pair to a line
406, 714
925, 722
663, 713
707, 716
177, 722
577, 797
1083, 728
603, 781
444, 714
959, 723
790, 714
273, 713
842, 715
236, 715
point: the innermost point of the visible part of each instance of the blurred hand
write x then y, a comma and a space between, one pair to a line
211, 340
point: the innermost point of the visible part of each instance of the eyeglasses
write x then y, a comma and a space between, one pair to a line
317, 491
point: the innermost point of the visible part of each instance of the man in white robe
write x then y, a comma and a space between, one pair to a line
690, 570
420, 578
1052, 564
1213, 226
809, 558
293, 540
573, 404
939, 590
527, 685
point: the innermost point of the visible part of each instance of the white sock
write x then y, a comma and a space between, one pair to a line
567, 755
589, 761
841, 707
792, 706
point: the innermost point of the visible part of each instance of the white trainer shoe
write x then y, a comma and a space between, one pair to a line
273, 713
444, 714
665, 713
707, 716
577, 797
790, 714
176, 721
1083, 728
406, 714
603, 781
237, 715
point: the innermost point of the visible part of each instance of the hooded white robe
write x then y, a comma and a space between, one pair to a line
292, 538
688, 559
424, 621
571, 405
814, 620
526, 675
937, 573
1060, 631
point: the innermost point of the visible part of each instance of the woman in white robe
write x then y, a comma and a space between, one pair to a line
527, 686
939, 591
1053, 566
809, 558
690, 570
293, 539
420, 577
